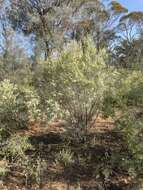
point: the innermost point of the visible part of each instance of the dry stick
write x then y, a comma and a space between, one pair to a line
91, 109
94, 121
91, 113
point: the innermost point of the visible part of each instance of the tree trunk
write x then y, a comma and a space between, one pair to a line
47, 50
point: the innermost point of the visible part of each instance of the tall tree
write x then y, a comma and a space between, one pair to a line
45, 19
129, 52
51, 20
100, 20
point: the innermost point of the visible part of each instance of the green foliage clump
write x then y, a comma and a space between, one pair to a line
32, 103
65, 157
132, 159
10, 105
17, 106
4, 169
128, 99
132, 88
16, 146
77, 81
33, 170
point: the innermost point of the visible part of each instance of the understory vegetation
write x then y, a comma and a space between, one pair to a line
71, 95
76, 87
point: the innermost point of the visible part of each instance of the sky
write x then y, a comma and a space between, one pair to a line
132, 5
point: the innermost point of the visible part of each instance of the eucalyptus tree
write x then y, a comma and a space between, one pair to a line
47, 20
100, 20
129, 51
51, 20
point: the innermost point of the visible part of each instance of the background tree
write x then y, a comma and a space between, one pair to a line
44, 19
52, 22
128, 51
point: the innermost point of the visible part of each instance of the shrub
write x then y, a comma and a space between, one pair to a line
126, 94
65, 157
16, 146
78, 82
33, 170
17, 106
41, 167
53, 110
131, 88
10, 106
3, 168
32, 102
128, 99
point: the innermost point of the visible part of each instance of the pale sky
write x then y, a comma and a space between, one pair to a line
132, 5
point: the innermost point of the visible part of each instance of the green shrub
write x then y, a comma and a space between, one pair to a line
11, 106
33, 170
77, 82
32, 102
131, 129
16, 146
128, 99
131, 88
41, 167
3, 168
65, 157
17, 106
